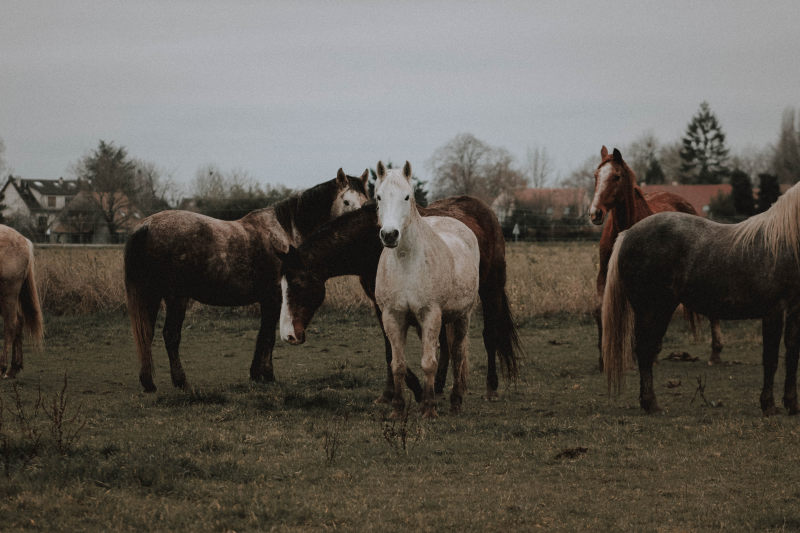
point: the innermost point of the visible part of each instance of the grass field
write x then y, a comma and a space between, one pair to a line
312, 451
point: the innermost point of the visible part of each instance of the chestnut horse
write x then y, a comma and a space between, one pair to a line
19, 299
731, 271
616, 193
179, 255
350, 245
427, 278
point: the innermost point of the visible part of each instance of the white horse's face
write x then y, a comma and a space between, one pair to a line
395, 198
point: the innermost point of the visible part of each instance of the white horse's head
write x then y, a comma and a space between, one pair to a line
395, 196
351, 195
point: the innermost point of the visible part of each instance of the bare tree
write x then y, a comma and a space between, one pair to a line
640, 154
670, 157
500, 173
154, 189
786, 161
753, 160
583, 176
539, 166
458, 167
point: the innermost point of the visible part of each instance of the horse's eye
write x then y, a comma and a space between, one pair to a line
347, 202
617, 177
406, 197
379, 197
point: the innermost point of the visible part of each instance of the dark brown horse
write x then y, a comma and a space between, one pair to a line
19, 299
728, 271
616, 193
175, 256
350, 245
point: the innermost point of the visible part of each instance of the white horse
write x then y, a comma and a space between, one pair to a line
427, 276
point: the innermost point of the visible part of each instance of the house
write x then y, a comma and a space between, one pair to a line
698, 195
553, 204
61, 211
36, 203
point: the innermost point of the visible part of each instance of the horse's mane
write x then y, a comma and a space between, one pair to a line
338, 246
777, 228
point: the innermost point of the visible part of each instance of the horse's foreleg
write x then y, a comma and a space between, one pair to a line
173, 322
460, 330
430, 329
396, 332
791, 338
716, 342
771, 328
261, 367
444, 360
411, 379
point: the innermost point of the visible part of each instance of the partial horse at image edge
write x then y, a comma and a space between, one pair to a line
730, 271
19, 299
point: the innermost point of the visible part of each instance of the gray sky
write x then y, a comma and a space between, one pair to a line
291, 91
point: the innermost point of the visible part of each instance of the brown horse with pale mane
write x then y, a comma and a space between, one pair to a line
19, 299
616, 193
176, 256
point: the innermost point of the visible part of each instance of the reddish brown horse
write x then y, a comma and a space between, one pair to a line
179, 255
616, 193
350, 245
19, 299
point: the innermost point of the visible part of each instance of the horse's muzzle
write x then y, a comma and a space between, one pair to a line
596, 216
296, 338
389, 238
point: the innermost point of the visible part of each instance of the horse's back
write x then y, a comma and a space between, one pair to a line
463, 247
663, 201
16, 252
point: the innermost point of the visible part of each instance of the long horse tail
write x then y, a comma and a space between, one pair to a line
508, 345
618, 324
29, 306
140, 301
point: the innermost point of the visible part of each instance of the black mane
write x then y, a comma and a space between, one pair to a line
311, 208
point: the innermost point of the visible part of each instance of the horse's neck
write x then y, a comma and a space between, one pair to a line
351, 247
418, 237
631, 210
301, 215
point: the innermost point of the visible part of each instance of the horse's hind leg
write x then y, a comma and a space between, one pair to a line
791, 338
10, 328
173, 322
430, 328
771, 329
16, 350
649, 330
460, 363
716, 342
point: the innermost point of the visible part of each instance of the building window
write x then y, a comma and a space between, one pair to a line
51, 201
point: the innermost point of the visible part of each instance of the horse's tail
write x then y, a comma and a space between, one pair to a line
139, 299
29, 306
618, 323
508, 345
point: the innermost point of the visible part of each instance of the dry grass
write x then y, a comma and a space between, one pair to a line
543, 279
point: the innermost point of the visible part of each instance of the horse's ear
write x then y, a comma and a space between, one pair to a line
341, 179
617, 156
407, 171
380, 170
604, 152
365, 177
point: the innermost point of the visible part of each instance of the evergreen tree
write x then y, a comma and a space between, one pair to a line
768, 191
655, 174
703, 154
742, 192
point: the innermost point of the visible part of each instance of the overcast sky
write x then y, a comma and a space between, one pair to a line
291, 91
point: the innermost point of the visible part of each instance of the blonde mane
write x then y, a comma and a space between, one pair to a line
777, 228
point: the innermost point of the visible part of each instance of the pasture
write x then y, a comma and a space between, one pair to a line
312, 452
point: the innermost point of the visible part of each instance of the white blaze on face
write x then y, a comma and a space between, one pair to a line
348, 200
286, 326
603, 175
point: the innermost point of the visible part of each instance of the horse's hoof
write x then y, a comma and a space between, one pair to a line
383, 399
429, 413
396, 414
147, 383
491, 395
266, 376
651, 407
771, 411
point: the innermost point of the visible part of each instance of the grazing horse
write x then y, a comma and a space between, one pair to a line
730, 271
616, 193
427, 278
350, 245
19, 299
179, 255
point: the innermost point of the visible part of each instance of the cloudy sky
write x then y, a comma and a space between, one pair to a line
291, 91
